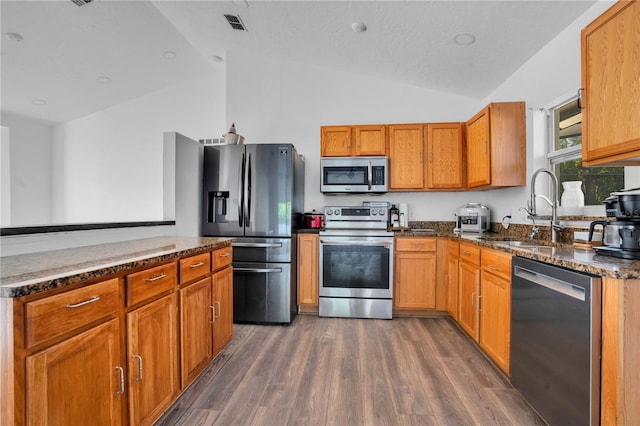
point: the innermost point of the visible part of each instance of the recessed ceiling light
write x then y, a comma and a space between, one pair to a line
464, 39
13, 36
358, 27
103, 79
217, 58
241, 3
39, 102
169, 54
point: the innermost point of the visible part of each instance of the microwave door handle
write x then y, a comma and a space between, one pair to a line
369, 174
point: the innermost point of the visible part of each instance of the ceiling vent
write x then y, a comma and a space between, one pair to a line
235, 22
81, 2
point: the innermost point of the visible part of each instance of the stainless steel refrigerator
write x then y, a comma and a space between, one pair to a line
255, 193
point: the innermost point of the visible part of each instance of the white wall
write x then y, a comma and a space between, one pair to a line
30, 171
283, 101
547, 78
113, 159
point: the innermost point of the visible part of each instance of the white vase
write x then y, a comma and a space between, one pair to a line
572, 201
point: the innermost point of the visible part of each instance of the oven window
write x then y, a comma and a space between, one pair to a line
356, 266
345, 176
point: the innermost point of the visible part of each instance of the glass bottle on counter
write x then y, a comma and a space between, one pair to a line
394, 215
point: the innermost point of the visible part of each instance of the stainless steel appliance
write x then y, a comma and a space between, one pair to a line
622, 236
255, 193
473, 217
555, 341
356, 263
354, 174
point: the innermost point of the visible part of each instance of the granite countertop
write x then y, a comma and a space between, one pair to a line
31, 273
564, 255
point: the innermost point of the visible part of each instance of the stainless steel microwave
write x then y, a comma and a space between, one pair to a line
354, 175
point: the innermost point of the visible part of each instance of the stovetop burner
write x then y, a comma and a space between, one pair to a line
617, 252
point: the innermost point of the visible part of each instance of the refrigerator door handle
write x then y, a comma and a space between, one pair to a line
258, 270
259, 245
241, 193
247, 214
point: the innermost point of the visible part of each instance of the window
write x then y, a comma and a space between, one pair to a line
565, 156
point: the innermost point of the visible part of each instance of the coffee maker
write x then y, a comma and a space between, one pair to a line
621, 237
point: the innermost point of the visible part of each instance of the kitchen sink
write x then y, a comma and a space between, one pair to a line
523, 244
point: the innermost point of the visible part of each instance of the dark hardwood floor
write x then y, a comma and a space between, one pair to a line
334, 371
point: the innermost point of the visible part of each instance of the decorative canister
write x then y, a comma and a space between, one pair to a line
572, 200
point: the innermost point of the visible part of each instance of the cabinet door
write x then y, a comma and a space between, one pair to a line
444, 155
196, 334
335, 141
611, 101
452, 286
78, 380
406, 157
370, 140
308, 270
223, 302
495, 319
415, 284
478, 149
152, 343
469, 285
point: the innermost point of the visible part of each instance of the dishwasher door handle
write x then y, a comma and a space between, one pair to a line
551, 283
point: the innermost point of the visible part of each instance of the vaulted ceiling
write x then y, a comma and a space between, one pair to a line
142, 46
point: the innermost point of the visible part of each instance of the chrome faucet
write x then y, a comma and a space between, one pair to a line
553, 202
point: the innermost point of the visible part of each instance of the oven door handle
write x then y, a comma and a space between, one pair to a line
356, 243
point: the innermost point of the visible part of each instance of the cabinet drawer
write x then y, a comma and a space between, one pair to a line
415, 244
150, 282
194, 267
497, 262
222, 257
470, 253
53, 316
453, 248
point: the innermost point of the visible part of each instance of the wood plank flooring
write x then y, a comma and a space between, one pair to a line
336, 371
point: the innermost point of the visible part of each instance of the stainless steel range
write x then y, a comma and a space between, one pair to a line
356, 263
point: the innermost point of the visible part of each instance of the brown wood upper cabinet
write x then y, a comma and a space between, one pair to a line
496, 146
444, 156
346, 141
611, 101
406, 157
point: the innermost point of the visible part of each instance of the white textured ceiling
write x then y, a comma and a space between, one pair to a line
65, 47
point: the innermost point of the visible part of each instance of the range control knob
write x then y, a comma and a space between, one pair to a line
337, 212
374, 212
329, 212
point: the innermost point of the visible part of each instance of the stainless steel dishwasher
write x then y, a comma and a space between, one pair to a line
555, 341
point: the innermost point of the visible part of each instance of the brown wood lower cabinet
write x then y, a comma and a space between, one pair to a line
152, 348
415, 273
451, 278
484, 305
308, 258
110, 359
196, 336
78, 380
223, 307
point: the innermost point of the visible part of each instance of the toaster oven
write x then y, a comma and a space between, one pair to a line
473, 217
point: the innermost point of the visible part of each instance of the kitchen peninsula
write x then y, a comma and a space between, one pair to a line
139, 319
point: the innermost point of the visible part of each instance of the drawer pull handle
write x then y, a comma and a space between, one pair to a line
86, 302
196, 265
139, 358
493, 268
159, 277
225, 255
121, 391
213, 308
466, 252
